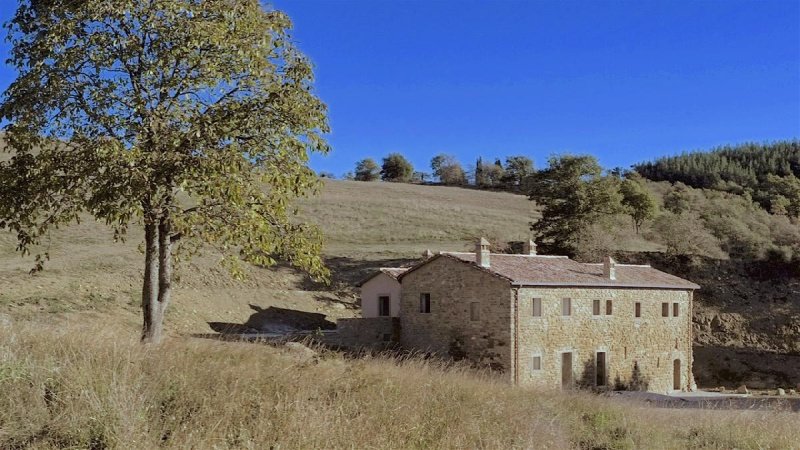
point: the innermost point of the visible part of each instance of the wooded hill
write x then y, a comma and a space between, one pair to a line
764, 171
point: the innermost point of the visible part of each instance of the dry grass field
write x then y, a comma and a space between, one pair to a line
72, 374
93, 386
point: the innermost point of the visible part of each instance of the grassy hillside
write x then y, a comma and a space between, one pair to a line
366, 225
72, 374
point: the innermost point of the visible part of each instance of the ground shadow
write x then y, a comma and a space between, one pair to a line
275, 320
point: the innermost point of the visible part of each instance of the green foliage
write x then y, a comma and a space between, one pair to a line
738, 169
784, 194
396, 168
685, 235
573, 195
637, 201
480, 177
517, 170
448, 170
367, 170
121, 107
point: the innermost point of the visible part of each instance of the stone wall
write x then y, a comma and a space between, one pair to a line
372, 333
651, 343
448, 330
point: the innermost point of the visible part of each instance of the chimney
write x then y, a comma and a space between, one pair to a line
529, 248
610, 268
427, 254
482, 252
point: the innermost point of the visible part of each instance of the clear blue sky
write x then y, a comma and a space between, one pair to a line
623, 80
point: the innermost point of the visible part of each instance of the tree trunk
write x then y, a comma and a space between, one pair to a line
153, 315
164, 263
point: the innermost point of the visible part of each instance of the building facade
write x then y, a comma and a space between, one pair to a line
550, 321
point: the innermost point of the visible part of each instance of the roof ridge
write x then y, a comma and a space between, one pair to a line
619, 265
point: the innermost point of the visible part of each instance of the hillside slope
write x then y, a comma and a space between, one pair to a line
747, 321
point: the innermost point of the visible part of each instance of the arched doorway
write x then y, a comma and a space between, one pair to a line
676, 374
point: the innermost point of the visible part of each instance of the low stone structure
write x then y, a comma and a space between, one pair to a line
373, 333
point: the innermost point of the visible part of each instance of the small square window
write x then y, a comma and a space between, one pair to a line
637, 309
609, 308
425, 303
566, 306
536, 363
596, 307
474, 311
665, 310
676, 309
537, 307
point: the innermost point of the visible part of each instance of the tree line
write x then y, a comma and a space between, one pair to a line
768, 173
447, 170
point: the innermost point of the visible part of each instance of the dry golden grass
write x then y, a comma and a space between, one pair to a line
82, 386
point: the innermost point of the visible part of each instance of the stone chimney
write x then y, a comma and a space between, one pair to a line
529, 248
610, 268
427, 254
482, 252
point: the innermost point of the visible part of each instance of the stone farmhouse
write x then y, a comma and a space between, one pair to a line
537, 320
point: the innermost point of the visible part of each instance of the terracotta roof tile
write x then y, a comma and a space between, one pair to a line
542, 270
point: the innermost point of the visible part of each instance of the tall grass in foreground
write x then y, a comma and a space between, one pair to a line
80, 387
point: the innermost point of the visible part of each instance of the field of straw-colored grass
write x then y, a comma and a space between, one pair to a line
89, 386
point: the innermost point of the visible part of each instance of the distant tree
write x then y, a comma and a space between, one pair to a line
784, 194
685, 235
493, 175
396, 168
348, 176
367, 170
480, 177
574, 196
517, 169
678, 200
193, 120
637, 201
448, 170
329, 175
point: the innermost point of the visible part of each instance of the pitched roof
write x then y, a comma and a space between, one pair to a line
543, 270
393, 272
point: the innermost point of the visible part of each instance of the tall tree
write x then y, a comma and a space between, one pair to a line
637, 201
367, 170
517, 169
448, 170
480, 177
191, 119
396, 168
574, 196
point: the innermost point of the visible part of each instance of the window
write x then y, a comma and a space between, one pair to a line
596, 307
425, 303
474, 311
600, 369
609, 308
676, 309
383, 305
665, 310
537, 307
637, 309
536, 362
566, 306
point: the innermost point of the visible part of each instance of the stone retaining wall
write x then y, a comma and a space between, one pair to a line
373, 333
